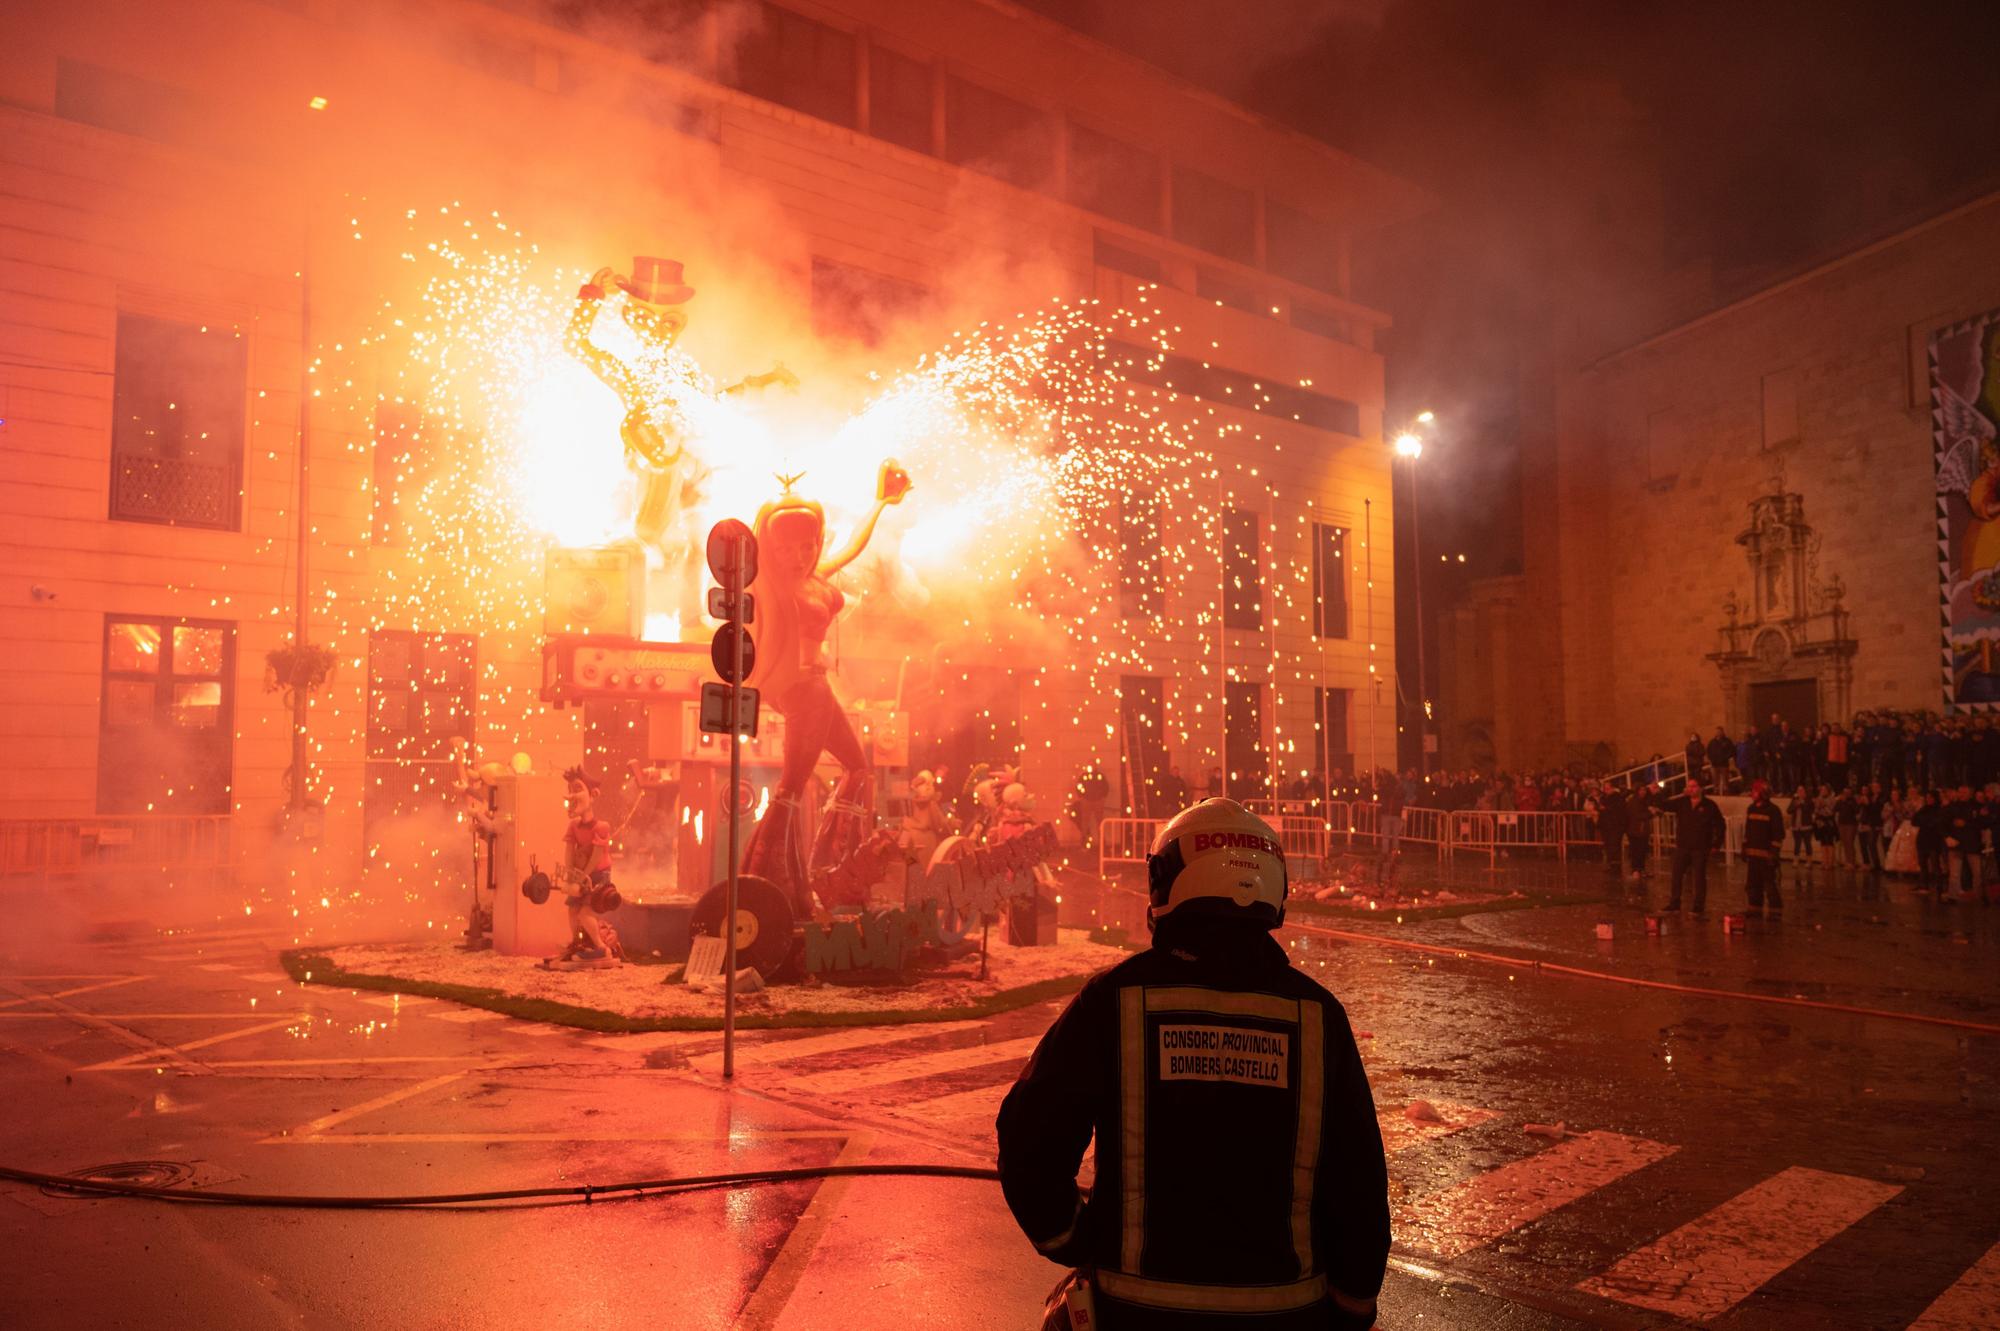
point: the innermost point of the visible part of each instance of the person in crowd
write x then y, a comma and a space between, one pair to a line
1826, 827
1891, 752
1763, 842
1803, 755
1696, 754
1639, 810
1528, 797
1746, 755
1612, 819
1868, 825
1698, 833
1901, 857
1847, 827
1721, 754
1988, 821
1935, 744
1833, 749
1771, 752
1388, 824
1930, 819
1796, 760
1801, 816
1962, 834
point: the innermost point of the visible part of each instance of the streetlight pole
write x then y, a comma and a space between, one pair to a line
1410, 445
302, 591
1423, 700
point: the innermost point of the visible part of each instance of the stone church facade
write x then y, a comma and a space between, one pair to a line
1737, 516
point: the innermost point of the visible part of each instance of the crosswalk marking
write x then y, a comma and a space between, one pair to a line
467, 1015
839, 1081
1474, 1213
218, 966
1711, 1264
25, 996
1971, 1304
786, 1051
979, 1105
645, 1042
1400, 1132
339, 1116
273, 977
395, 1000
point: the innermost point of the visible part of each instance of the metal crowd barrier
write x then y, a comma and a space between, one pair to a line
1125, 841
1493, 831
165, 844
1488, 832
1303, 838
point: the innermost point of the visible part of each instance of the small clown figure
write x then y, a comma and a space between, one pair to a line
927, 823
796, 606
1016, 814
587, 865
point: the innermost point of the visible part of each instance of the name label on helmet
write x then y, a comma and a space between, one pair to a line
1234, 841
1225, 1053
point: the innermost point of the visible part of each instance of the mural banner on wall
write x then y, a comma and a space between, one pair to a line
1965, 441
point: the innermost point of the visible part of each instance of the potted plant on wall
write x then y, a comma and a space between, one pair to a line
298, 670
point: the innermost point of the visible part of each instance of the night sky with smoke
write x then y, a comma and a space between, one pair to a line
1601, 170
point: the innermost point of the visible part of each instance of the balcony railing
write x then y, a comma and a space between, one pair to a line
179, 491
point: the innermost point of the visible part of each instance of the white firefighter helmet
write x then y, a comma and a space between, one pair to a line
1222, 857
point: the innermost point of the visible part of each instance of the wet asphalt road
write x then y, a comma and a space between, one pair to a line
1724, 1162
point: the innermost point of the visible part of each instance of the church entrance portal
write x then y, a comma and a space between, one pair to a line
1794, 700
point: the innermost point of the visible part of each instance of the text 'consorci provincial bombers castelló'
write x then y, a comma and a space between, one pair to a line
1224, 1053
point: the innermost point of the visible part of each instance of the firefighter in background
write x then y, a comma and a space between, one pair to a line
1763, 843
1240, 1170
796, 606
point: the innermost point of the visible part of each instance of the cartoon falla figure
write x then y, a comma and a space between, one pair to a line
655, 445
797, 604
587, 879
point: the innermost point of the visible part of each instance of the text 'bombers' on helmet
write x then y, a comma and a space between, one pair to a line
1224, 857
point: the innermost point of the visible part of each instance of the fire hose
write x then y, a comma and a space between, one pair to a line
581, 1192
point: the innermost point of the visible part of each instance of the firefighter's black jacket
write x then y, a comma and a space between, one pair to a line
1239, 1162
1763, 830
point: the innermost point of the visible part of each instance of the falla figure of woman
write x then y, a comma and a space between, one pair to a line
797, 604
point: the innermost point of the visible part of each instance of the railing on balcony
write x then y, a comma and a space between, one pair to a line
179, 491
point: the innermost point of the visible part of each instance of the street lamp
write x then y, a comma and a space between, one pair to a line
1410, 446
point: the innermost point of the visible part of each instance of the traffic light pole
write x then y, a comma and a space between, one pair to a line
732, 558
735, 841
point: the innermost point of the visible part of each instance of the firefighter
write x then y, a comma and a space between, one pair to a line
1763, 843
1240, 1176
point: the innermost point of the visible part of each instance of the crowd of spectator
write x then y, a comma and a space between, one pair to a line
1906, 792
1907, 750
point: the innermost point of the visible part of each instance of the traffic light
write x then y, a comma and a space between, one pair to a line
732, 558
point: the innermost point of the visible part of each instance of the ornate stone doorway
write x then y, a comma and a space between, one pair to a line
1788, 642
1795, 701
